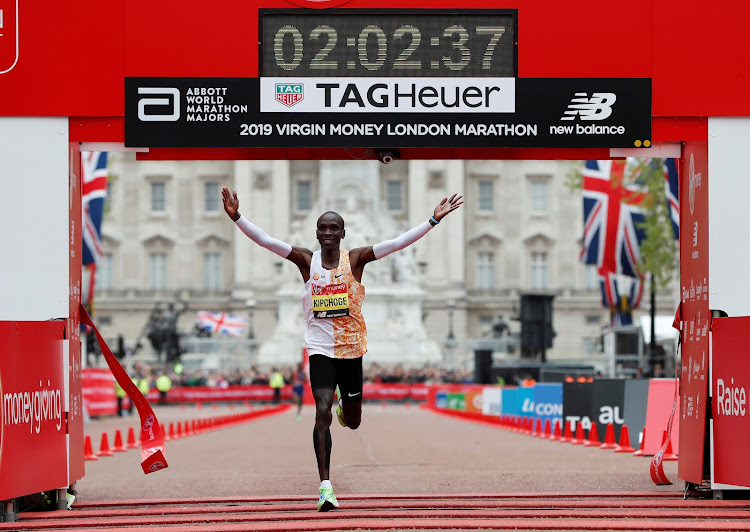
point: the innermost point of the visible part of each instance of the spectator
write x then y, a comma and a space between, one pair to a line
276, 382
163, 384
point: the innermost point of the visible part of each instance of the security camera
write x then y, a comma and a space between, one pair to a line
388, 156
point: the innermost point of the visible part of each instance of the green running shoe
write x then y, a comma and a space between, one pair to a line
327, 500
340, 415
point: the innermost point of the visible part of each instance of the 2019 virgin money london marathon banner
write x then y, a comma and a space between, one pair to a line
397, 112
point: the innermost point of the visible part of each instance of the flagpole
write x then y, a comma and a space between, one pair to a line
652, 312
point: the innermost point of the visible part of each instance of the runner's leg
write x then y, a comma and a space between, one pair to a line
350, 379
322, 431
323, 382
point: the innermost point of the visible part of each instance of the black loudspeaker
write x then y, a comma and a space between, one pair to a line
482, 366
536, 324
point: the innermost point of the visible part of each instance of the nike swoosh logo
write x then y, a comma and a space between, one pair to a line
337, 276
354, 394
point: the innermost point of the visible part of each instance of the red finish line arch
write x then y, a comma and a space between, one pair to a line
63, 64
694, 73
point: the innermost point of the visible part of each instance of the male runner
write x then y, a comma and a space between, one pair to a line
335, 332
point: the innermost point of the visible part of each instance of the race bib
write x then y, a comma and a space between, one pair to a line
330, 300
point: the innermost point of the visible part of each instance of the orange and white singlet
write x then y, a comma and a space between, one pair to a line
332, 305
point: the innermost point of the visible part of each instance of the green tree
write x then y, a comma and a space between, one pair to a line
659, 250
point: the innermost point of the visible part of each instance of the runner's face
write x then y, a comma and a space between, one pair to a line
330, 232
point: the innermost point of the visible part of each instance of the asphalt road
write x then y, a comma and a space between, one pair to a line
397, 450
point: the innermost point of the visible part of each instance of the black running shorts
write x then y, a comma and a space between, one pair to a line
326, 372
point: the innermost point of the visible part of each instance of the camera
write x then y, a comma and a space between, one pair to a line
387, 156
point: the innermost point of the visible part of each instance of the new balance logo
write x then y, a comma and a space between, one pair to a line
598, 107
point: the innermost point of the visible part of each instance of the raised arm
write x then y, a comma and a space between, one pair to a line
299, 256
361, 256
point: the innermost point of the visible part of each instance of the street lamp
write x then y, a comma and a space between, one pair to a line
451, 305
450, 340
251, 304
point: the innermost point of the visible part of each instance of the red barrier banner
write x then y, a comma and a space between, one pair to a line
657, 466
658, 412
152, 438
198, 394
254, 392
730, 385
33, 451
98, 390
99, 396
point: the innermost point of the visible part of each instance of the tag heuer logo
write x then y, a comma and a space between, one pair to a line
289, 93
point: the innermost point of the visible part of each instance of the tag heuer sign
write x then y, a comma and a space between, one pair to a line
289, 93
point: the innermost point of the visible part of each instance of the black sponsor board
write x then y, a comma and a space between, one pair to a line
636, 403
549, 113
607, 405
577, 398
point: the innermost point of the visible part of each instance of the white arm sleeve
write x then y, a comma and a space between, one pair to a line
260, 237
387, 247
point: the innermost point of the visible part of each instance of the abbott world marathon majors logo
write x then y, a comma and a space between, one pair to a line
201, 104
586, 110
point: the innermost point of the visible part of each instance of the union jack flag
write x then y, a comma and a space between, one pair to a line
672, 185
221, 322
612, 217
620, 306
93, 193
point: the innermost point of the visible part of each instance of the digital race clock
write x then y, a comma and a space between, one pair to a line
357, 43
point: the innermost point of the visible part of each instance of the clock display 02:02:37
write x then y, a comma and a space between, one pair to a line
392, 44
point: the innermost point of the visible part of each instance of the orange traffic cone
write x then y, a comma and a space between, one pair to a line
593, 439
669, 453
536, 427
164, 432
131, 439
104, 449
118, 446
88, 452
567, 436
171, 431
556, 433
639, 452
580, 437
547, 429
624, 446
609, 438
